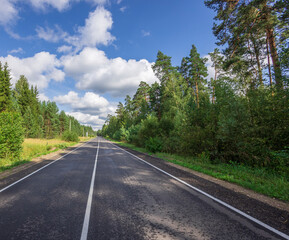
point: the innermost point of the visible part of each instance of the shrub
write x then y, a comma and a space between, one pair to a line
11, 135
149, 127
153, 144
133, 134
70, 136
117, 135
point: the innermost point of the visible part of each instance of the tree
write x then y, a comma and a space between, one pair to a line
217, 61
197, 72
162, 67
63, 123
248, 28
140, 102
5, 88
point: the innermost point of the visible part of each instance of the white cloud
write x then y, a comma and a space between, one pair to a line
60, 5
8, 12
91, 109
100, 2
95, 30
18, 50
39, 69
94, 71
122, 9
51, 35
90, 103
211, 70
145, 33
43, 97
64, 49
86, 119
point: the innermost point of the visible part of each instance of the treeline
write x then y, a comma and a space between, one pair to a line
240, 115
23, 115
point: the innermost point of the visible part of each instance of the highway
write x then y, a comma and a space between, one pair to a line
99, 191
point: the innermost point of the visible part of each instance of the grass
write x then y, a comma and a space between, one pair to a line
260, 180
34, 147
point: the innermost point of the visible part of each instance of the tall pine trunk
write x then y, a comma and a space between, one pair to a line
269, 64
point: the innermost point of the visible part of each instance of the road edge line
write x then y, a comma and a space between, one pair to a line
86, 220
20, 180
264, 225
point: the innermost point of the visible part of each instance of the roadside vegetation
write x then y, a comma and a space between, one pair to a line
233, 125
35, 147
22, 116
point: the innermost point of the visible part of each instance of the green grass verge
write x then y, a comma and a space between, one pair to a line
33, 148
260, 180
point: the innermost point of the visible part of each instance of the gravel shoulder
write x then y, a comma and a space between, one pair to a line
268, 210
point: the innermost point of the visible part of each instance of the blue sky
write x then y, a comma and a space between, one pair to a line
87, 55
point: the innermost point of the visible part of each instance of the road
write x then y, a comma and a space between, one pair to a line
99, 191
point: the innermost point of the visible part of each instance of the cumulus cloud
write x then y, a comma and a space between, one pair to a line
64, 49
91, 109
90, 103
39, 69
60, 5
95, 31
51, 35
211, 70
43, 97
86, 119
95, 72
8, 12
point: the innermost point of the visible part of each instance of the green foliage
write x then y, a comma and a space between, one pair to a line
149, 127
153, 144
240, 116
70, 136
11, 135
5, 88
280, 161
133, 134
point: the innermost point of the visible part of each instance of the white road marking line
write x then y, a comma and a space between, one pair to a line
85, 226
3, 189
213, 198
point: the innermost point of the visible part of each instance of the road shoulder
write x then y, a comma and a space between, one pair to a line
268, 210
12, 175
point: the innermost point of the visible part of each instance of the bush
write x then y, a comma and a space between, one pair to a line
117, 135
149, 127
11, 135
70, 136
133, 134
153, 144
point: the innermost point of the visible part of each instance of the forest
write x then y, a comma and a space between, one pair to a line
241, 115
22, 115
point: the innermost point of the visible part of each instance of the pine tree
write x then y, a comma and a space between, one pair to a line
23, 94
249, 29
5, 88
217, 60
197, 72
162, 67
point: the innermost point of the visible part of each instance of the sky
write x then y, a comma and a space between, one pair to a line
87, 55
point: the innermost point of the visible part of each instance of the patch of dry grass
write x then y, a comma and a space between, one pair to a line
34, 147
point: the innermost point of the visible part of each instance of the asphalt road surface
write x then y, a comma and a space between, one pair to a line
99, 191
